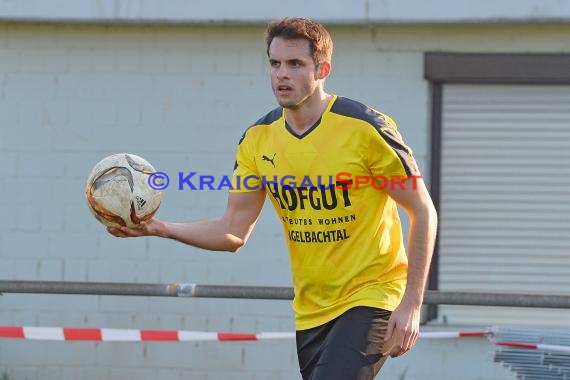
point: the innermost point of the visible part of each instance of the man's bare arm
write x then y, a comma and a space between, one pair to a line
404, 322
226, 233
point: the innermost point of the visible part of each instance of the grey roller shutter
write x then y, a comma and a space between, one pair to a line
505, 198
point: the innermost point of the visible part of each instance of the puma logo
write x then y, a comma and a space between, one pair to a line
265, 158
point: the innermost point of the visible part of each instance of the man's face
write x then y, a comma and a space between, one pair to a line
292, 71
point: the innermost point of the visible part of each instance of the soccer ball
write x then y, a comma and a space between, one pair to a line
118, 192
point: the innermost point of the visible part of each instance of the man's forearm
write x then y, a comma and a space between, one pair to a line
209, 234
421, 242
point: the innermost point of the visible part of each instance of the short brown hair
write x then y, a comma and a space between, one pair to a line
290, 28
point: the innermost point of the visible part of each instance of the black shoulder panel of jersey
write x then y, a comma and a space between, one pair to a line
352, 108
265, 120
270, 117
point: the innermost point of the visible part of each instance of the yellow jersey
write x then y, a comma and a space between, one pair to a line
328, 187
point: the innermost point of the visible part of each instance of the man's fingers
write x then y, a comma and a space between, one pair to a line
114, 231
407, 341
389, 338
132, 232
414, 339
405, 344
397, 341
399, 347
124, 232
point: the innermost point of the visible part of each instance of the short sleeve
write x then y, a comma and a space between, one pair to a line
388, 155
245, 177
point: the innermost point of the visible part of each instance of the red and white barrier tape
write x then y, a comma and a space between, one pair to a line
123, 335
453, 334
532, 346
118, 335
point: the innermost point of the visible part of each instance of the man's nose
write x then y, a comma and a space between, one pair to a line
282, 72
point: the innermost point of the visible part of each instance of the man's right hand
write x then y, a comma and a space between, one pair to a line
152, 227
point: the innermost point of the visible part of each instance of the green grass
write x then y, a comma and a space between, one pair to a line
5, 376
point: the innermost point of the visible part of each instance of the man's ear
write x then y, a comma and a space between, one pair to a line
323, 70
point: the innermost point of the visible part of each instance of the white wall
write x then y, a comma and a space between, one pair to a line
71, 95
259, 11
180, 97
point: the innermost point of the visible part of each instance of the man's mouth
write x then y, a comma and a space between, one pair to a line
284, 89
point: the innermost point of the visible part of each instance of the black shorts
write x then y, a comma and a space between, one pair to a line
346, 348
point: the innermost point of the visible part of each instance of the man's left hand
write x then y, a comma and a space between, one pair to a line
403, 330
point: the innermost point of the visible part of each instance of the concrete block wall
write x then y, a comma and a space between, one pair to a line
180, 96
69, 96
258, 11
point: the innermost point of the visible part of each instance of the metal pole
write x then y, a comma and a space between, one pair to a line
262, 292
149, 290
497, 299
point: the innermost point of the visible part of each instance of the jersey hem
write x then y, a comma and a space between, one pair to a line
309, 325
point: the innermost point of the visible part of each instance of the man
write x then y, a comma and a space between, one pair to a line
335, 171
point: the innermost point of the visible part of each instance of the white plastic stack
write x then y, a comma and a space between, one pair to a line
533, 354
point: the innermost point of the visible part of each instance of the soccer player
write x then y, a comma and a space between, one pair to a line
335, 171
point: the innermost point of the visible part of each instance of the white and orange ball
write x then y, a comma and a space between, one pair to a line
118, 191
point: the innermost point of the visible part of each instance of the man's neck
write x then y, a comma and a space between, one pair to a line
304, 117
